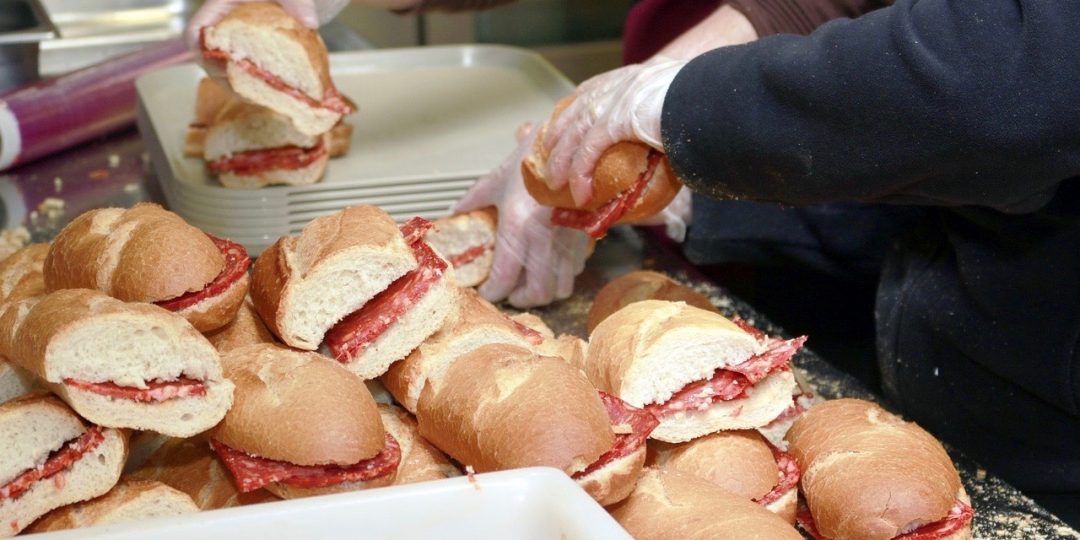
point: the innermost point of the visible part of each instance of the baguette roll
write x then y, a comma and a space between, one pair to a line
301, 425
50, 458
474, 322
246, 329
20, 277
695, 370
189, 465
867, 474
669, 505
420, 461
641, 285
130, 500
118, 364
302, 286
148, 254
467, 241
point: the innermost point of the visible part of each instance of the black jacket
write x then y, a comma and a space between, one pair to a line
970, 109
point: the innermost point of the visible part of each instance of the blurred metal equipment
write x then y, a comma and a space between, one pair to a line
23, 25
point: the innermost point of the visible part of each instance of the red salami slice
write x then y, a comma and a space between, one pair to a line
332, 100
253, 472
530, 335
748, 328
789, 476
959, 516
351, 336
469, 255
777, 354
58, 461
597, 222
632, 426
250, 162
156, 391
236, 265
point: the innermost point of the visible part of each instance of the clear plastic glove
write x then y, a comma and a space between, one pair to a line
675, 217
311, 13
535, 262
620, 105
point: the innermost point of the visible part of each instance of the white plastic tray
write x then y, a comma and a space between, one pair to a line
431, 121
524, 504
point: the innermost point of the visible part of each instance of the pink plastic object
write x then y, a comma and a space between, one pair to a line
51, 115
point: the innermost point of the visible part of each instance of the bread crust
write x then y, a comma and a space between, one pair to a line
142, 254
503, 407
867, 474
127, 501
616, 480
21, 273
216, 311
668, 505
298, 407
740, 462
452, 232
245, 329
641, 285
420, 460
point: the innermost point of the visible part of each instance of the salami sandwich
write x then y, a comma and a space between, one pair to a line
566, 346
273, 60
869, 475
371, 290
504, 407
467, 241
246, 329
302, 425
130, 500
698, 372
631, 182
637, 286
20, 277
740, 462
420, 460
49, 457
669, 505
474, 322
148, 254
118, 364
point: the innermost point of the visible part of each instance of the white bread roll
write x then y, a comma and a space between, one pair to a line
637, 286
278, 46
31, 429
246, 329
130, 500
648, 351
669, 505
420, 461
869, 475
304, 285
84, 336
467, 241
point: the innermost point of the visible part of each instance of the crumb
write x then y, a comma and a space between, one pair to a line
114, 161
131, 188
12, 240
980, 474
58, 184
936, 371
48, 216
99, 174
471, 474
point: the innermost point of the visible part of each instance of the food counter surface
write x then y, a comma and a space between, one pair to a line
114, 172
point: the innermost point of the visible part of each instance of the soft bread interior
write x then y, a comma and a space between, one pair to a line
30, 431
269, 47
92, 475
14, 381
307, 119
181, 417
290, 177
244, 127
763, 402
130, 500
459, 234
616, 480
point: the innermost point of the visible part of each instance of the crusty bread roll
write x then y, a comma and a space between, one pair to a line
118, 364
210, 97
869, 475
304, 285
649, 351
740, 462
467, 241
145, 254
273, 60
20, 277
190, 466
303, 409
130, 500
668, 505
34, 477
246, 329
474, 322
618, 169
641, 285
503, 407
420, 461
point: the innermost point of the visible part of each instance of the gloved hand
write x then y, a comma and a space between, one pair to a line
620, 105
535, 262
311, 13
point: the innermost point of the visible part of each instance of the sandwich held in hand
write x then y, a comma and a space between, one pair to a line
372, 290
631, 182
271, 59
301, 425
49, 457
869, 475
130, 500
467, 242
695, 370
148, 254
118, 364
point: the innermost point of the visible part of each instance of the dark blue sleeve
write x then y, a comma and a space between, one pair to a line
940, 102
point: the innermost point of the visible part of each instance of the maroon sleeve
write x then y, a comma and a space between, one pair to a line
800, 16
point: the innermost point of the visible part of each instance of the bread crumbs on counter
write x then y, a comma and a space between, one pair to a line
58, 184
114, 161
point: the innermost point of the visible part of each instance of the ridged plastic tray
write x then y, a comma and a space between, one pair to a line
431, 121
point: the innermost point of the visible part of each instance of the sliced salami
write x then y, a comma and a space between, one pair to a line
237, 262
253, 472
597, 222
632, 427
155, 392
958, 517
251, 162
789, 472
469, 255
58, 461
777, 355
